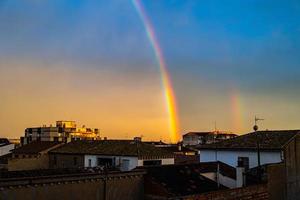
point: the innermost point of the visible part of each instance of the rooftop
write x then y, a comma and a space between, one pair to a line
182, 180
4, 141
203, 167
210, 133
198, 133
112, 147
268, 140
155, 142
175, 148
35, 147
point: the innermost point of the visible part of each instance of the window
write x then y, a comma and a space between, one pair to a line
55, 139
243, 162
105, 162
90, 163
125, 165
151, 162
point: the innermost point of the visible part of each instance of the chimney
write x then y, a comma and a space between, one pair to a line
137, 139
240, 173
179, 147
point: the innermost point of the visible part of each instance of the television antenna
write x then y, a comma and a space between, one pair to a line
256, 119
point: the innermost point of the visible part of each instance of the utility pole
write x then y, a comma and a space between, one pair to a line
216, 155
255, 128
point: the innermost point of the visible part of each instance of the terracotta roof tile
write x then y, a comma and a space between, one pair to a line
112, 147
35, 147
268, 140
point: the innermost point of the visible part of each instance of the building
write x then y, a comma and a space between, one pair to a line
5, 146
4, 161
196, 138
72, 184
64, 131
171, 181
182, 155
182, 182
15, 141
31, 156
124, 155
245, 148
284, 178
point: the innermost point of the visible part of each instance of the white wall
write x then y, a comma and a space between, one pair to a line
133, 161
190, 140
6, 149
120, 160
226, 181
223, 180
231, 157
168, 161
164, 161
93, 160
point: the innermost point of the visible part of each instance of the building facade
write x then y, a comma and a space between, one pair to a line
64, 131
72, 185
196, 138
261, 147
31, 156
123, 155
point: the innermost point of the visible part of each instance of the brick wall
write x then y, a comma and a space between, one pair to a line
256, 192
117, 186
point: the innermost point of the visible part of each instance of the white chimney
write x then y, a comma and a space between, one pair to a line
240, 176
240, 172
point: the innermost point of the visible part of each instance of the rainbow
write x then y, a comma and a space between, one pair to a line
166, 80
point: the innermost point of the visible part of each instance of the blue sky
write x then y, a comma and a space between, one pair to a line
211, 48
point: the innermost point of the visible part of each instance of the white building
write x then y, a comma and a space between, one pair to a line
271, 145
196, 138
64, 131
121, 154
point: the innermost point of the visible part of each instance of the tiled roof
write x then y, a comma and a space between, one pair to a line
182, 180
175, 148
4, 141
198, 133
203, 167
155, 142
113, 147
35, 147
210, 133
268, 140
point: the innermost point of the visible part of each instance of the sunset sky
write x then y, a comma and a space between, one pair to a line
92, 62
